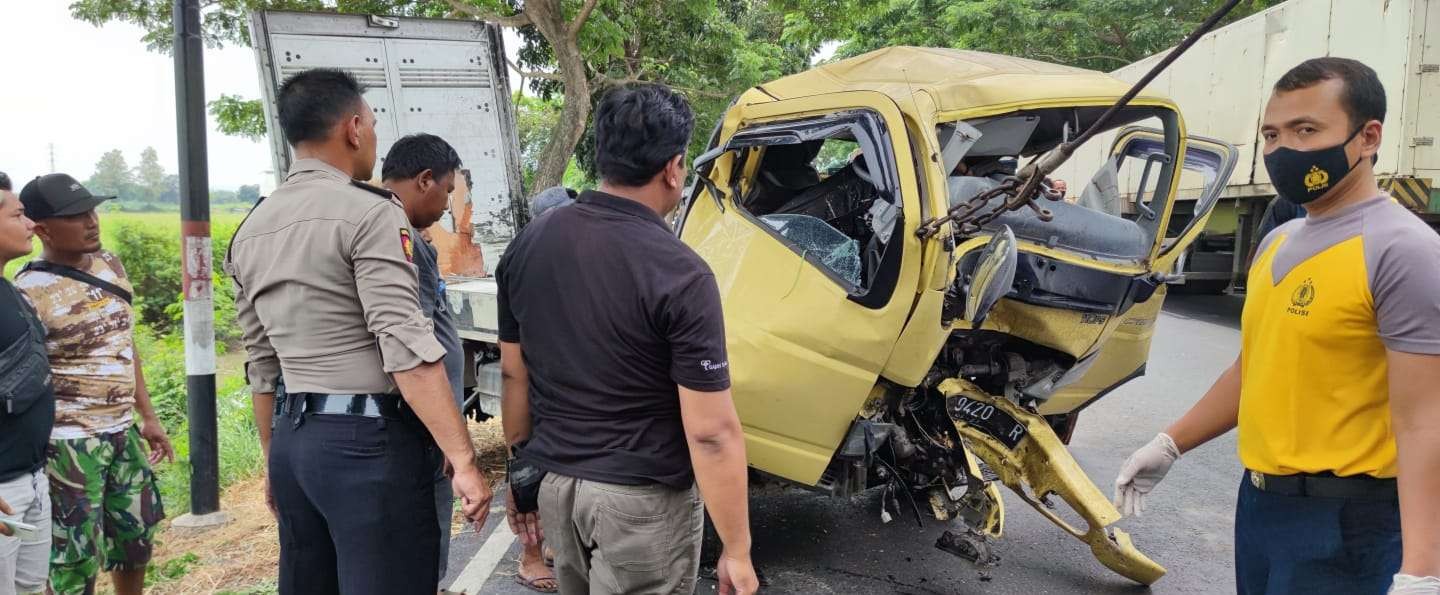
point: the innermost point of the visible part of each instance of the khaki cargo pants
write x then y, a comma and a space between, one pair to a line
622, 539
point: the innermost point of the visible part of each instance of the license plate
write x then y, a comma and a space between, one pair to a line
988, 419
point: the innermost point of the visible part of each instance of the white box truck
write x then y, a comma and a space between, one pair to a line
1223, 82
445, 77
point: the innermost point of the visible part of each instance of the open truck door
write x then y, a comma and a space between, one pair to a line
1126, 185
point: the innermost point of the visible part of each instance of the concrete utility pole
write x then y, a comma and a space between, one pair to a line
195, 262
52, 158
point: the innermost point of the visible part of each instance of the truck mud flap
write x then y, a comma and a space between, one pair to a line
1022, 449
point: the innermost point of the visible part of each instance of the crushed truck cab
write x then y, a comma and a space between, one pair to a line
867, 352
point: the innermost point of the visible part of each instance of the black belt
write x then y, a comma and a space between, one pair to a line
367, 405
1355, 487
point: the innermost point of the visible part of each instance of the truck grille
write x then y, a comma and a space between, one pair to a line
444, 77
369, 76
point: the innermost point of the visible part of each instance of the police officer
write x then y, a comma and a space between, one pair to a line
1336, 391
326, 290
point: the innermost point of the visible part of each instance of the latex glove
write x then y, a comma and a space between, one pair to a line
1406, 584
1142, 471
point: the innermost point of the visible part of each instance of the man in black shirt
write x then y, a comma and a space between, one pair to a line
420, 169
27, 412
613, 352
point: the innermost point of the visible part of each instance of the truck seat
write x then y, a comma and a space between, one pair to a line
1077, 228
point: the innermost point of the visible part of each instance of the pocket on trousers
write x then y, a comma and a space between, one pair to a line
363, 440
632, 531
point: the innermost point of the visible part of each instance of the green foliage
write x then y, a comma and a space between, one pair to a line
266, 588
151, 258
151, 254
248, 193
1096, 34
169, 570
240, 453
237, 116
112, 175
150, 175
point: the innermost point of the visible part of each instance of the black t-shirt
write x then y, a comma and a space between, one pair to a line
1276, 214
23, 436
612, 312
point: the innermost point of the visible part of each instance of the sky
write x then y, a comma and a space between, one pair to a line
86, 90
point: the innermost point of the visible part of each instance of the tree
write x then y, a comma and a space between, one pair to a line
1095, 34
112, 175
150, 175
534, 118
222, 196
237, 116
171, 193
248, 194
708, 49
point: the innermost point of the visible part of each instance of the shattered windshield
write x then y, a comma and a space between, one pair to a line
817, 238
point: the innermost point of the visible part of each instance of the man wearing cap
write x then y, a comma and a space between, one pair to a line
105, 504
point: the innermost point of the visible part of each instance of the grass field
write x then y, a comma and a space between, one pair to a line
111, 222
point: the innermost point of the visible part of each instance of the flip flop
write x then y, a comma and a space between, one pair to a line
531, 583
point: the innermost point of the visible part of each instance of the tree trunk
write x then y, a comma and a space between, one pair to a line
549, 19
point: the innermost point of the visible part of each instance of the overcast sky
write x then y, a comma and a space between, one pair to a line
87, 90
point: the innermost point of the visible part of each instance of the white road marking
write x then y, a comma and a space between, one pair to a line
473, 577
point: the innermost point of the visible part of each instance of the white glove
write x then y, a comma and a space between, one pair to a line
1142, 471
1406, 584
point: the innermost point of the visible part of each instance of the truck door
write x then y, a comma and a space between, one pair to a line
806, 215
1207, 165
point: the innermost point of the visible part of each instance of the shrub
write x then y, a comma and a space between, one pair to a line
151, 254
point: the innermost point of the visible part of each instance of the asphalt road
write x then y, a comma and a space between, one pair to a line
810, 544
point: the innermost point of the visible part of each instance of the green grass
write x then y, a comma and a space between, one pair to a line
111, 221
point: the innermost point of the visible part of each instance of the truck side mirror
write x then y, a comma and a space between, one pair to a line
992, 277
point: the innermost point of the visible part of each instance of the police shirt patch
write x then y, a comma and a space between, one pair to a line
407, 245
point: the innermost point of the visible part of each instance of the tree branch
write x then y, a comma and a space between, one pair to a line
1072, 60
533, 74
606, 81
581, 18
516, 21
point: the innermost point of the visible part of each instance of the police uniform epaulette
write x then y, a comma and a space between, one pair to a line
383, 193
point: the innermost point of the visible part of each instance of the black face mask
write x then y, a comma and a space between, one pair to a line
1303, 176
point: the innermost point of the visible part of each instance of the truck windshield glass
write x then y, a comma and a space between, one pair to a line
826, 187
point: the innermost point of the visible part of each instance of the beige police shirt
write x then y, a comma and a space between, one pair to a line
326, 288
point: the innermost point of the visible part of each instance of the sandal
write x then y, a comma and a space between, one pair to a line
532, 583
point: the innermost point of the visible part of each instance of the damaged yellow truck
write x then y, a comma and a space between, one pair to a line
878, 341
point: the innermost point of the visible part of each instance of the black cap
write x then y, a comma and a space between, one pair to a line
57, 195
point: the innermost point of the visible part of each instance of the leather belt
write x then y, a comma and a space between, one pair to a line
376, 405
1324, 485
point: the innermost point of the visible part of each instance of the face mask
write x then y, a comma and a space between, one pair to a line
1303, 176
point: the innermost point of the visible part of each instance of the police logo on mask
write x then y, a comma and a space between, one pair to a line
1317, 179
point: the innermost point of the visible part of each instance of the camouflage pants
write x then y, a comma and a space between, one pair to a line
105, 507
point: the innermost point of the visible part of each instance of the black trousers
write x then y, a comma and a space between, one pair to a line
356, 500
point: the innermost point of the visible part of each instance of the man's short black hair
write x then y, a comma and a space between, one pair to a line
415, 153
1364, 95
5, 182
638, 129
313, 101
